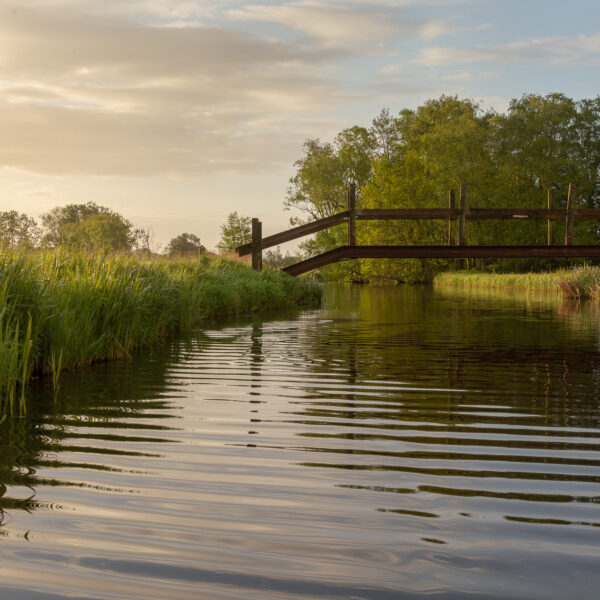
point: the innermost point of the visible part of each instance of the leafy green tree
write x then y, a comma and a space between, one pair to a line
435, 148
413, 159
185, 244
91, 228
18, 230
320, 187
385, 134
236, 230
98, 232
54, 221
546, 143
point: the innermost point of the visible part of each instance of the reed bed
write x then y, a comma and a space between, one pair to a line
575, 283
60, 309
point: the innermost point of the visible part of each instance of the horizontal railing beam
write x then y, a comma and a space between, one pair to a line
351, 252
401, 214
473, 214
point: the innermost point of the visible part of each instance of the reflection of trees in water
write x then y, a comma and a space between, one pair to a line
104, 395
538, 357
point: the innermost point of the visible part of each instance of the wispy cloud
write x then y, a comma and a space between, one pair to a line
565, 50
361, 26
90, 95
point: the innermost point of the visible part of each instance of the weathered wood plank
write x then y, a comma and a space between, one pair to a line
451, 206
463, 213
351, 252
550, 224
570, 215
256, 245
408, 214
473, 214
296, 232
352, 215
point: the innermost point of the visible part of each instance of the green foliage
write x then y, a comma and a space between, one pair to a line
64, 309
276, 260
17, 229
236, 230
545, 281
90, 228
185, 244
97, 232
575, 283
61, 216
412, 161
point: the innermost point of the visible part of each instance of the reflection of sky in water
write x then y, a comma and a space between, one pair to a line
424, 445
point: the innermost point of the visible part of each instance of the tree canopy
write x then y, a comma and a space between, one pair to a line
185, 244
18, 230
236, 230
91, 227
413, 159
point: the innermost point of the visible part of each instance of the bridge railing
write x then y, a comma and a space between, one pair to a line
456, 234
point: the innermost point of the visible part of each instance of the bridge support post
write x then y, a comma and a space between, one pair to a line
463, 214
570, 212
452, 206
352, 215
256, 245
550, 223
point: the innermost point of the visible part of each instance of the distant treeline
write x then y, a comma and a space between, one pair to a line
92, 228
413, 159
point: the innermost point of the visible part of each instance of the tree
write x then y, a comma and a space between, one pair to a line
54, 221
18, 230
98, 232
236, 230
140, 240
185, 244
412, 160
90, 227
384, 133
276, 260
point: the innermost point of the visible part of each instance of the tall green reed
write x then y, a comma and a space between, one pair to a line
60, 309
575, 283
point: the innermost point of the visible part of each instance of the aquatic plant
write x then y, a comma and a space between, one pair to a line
60, 309
575, 283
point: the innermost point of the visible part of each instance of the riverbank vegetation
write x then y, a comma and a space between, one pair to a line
574, 283
62, 309
413, 159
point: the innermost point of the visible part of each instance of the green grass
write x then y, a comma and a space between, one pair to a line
575, 283
63, 310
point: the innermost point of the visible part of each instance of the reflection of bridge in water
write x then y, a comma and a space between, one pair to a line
456, 219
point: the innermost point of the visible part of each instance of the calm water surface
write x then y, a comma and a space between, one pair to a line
398, 443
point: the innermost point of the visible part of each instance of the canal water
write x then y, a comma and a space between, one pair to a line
398, 443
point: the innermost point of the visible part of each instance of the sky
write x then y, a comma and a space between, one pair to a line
175, 113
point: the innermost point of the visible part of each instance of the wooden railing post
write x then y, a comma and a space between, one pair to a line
452, 206
462, 215
352, 215
570, 212
550, 222
256, 245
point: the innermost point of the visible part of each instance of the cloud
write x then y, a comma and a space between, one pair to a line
361, 26
557, 50
103, 95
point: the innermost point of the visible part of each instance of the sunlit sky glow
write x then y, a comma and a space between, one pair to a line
176, 112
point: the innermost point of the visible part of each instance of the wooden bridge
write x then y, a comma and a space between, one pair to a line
457, 246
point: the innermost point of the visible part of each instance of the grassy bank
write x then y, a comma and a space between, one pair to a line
576, 283
62, 310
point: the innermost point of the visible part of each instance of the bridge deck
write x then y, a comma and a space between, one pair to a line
350, 252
